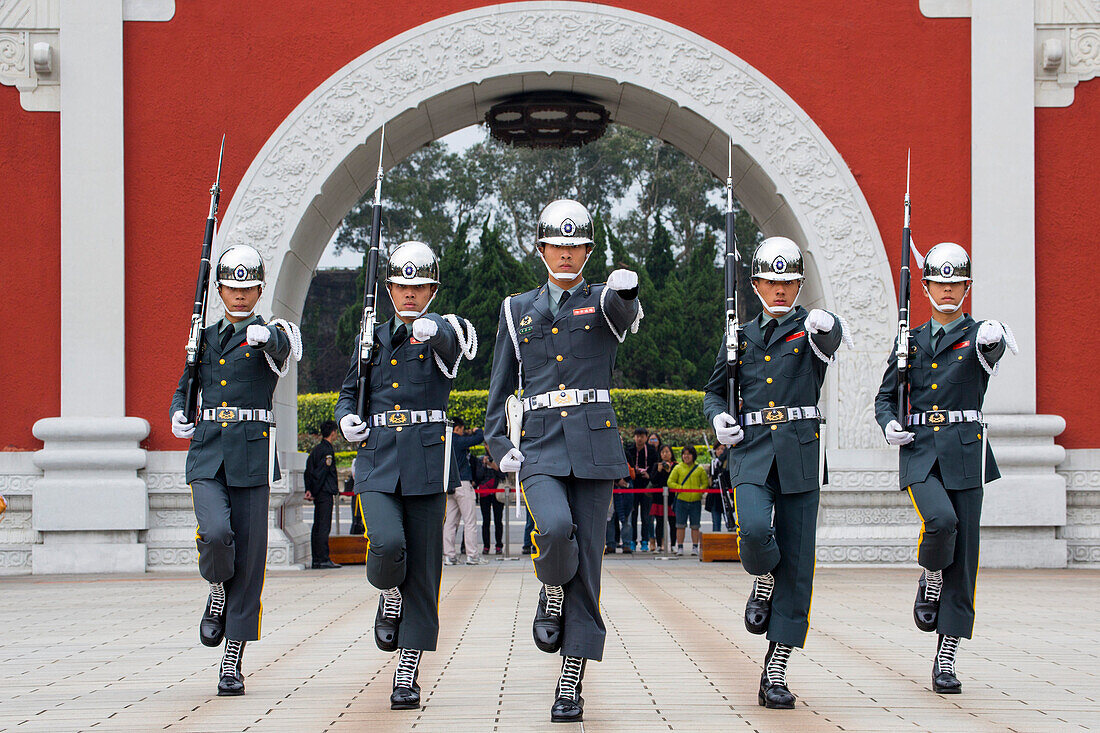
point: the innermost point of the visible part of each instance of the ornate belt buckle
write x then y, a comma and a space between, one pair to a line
774, 416
936, 417
227, 414
396, 418
564, 398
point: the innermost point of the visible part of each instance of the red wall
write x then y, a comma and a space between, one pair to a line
30, 260
877, 78
1067, 250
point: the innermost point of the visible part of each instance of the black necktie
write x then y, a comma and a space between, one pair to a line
768, 331
399, 335
561, 301
228, 336
936, 339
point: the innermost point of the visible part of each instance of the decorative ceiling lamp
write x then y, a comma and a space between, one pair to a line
547, 120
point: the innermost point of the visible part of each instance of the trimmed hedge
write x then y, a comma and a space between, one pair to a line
677, 411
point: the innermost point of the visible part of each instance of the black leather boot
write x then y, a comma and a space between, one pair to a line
212, 624
568, 706
232, 678
774, 692
926, 608
406, 691
387, 620
546, 628
758, 609
944, 680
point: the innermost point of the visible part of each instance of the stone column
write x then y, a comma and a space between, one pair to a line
90, 504
1024, 508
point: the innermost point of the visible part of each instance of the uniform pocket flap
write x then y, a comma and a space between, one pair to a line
970, 433
806, 431
255, 430
598, 419
533, 426
432, 435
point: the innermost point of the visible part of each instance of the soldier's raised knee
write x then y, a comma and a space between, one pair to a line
217, 536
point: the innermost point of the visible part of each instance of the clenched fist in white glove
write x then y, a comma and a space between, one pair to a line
895, 435
257, 335
424, 329
990, 332
820, 321
622, 280
727, 429
180, 427
511, 462
353, 428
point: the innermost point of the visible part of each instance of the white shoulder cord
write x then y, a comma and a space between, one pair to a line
633, 326
294, 334
515, 341
1010, 341
467, 348
845, 338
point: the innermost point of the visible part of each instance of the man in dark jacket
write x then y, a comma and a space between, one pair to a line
945, 455
776, 460
322, 488
642, 457
231, 458
399, 464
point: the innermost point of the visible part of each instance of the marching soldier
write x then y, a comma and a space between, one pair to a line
776, 461
558, 343
231, 459
945, 455
399, 466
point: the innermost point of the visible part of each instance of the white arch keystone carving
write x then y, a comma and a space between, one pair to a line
470, 47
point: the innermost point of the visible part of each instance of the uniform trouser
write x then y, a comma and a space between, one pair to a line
949, 542
570, 520
461, 505
491, 511
405, 551
322, 525
232, 542
785, 549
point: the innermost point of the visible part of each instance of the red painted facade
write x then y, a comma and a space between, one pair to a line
877, 78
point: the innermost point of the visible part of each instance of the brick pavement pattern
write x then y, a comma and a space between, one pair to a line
117, 653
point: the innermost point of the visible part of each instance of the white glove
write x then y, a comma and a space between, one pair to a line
820, 321
180, 427
727, 429
511, 462
424, 329
353, 428
896, 436
990, 332
257, 335
622, 280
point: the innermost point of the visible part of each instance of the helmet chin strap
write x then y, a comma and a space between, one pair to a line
779, 310
565, 275
412, 314
240, 314
945, 308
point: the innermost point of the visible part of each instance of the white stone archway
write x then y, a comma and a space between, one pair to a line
654, 76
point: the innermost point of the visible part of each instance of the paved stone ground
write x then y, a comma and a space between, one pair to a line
121, 653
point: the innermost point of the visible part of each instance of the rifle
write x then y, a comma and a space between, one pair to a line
370, 294
903, 310
733, 261
202, 289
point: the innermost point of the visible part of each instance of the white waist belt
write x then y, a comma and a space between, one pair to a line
237, 414
944, 417
776, 415
401, 418
566, 398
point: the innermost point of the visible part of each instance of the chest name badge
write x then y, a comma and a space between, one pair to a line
794, 336
961, 345
584, 311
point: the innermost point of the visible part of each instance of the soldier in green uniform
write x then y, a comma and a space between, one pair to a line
776, 461
231, 461
945, 455
399, 464
564, 334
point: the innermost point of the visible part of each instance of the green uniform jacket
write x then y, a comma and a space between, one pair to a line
783, 373
237, 377
951, 378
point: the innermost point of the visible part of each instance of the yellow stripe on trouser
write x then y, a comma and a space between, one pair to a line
736, 523
534, 544
920, 539
359, 503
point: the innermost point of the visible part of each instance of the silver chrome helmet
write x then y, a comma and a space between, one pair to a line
947, 262
778, 258
240, 266
565, 223
412, 263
